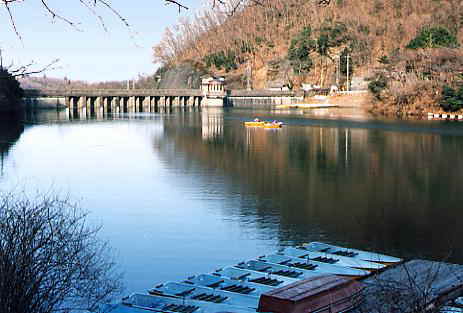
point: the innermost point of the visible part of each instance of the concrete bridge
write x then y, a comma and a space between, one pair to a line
117, 100
149, 100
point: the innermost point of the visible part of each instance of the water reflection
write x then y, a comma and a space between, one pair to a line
187, 190
387, 190
11, 128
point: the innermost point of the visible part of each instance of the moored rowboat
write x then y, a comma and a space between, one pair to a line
166, 304
352, 253
201, 293
314, 266
277, 269
333, 259
255, 277
223, 283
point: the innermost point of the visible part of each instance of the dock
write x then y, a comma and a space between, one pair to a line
307, 106
315, 277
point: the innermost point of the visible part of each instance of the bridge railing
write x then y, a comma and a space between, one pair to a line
111, 92
262, 93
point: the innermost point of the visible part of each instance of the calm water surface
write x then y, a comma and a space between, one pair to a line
180, 193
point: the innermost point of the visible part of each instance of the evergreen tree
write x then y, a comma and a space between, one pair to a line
434, 37
10, 89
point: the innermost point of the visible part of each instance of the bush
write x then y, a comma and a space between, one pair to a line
377, 86
434, 37
384, 60
452, 100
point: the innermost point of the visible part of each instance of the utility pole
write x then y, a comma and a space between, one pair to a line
338, 70
348, 81
248, 77
128, 84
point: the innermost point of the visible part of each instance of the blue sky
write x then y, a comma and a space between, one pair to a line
89, 53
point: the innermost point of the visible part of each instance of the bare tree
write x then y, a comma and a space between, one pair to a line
50, 258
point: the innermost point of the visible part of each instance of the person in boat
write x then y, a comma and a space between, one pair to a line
257, 120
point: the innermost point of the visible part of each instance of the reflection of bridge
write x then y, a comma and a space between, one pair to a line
149, 100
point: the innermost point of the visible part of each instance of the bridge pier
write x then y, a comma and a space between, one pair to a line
154, 103
74, 103
166, 102
146, 105
137, 104
105, 105
124, 104
97, 106
88, 106
131, 104
114, 101
82, 102
101, 102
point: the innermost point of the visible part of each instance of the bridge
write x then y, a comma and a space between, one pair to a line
149, 100
120, 101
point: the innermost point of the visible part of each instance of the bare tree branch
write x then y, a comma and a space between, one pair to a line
89, 4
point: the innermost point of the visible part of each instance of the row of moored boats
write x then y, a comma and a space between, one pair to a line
238, 288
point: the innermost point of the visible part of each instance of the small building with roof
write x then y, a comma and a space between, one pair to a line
213, 86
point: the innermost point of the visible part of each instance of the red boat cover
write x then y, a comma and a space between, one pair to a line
327, 293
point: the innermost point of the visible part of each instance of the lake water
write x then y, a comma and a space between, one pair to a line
184, 192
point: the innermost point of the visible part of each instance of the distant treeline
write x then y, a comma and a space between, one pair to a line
44, 82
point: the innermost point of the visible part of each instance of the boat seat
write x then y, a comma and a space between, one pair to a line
288, 273
325, 260
184, 293
209, 298
267, 281
239, 289
216, 284
180, 308
346, 253
305, 266
242, 276
284, 262
304, 256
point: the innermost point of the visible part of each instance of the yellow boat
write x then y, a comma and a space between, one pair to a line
272, 125
254, 124
287, 106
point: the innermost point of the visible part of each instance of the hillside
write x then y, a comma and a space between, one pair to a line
407, 50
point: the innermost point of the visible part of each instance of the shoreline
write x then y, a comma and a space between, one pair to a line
360, 105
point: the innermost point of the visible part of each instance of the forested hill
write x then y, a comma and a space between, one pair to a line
294, 41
